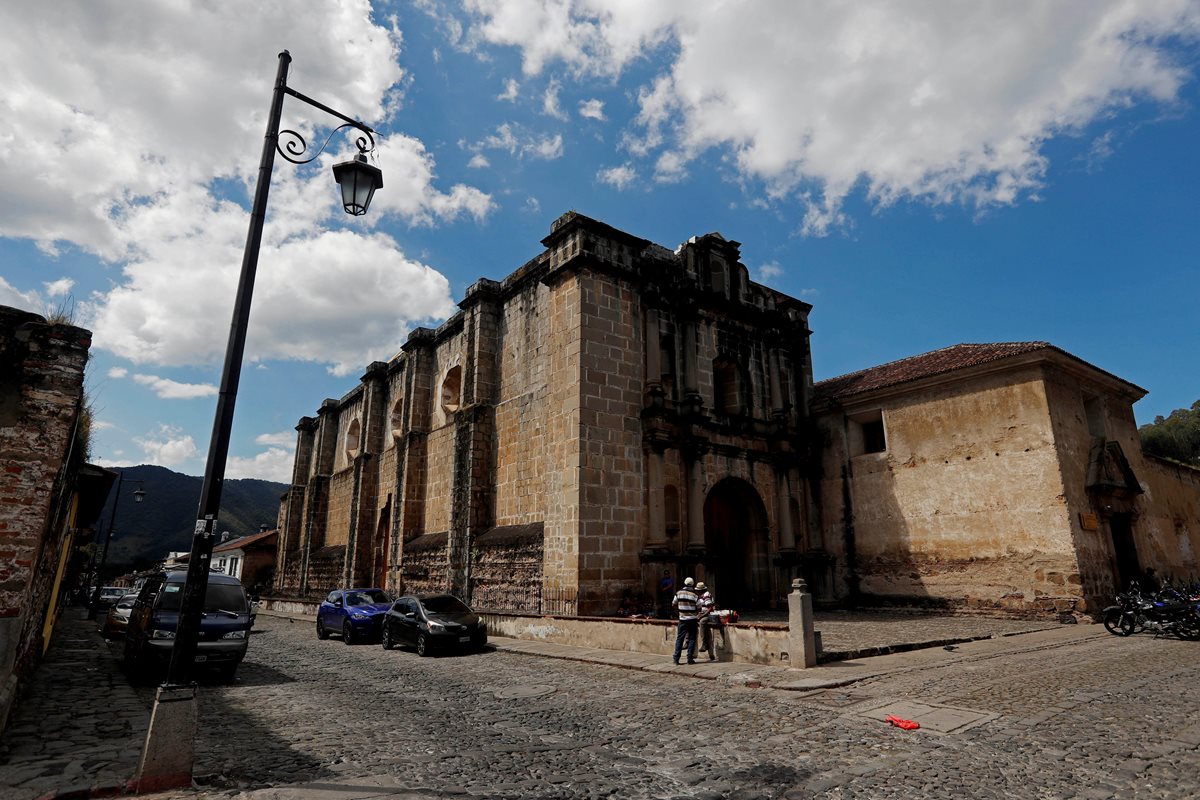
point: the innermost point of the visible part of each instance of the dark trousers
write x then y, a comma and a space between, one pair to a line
686, 630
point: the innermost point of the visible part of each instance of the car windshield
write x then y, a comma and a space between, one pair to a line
112, 593
367, 597
444, 605
217, 597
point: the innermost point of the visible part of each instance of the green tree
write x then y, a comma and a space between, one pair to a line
1176, 437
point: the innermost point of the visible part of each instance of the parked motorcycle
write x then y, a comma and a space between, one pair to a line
1169, 611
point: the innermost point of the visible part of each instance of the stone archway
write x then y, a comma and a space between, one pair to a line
736, 561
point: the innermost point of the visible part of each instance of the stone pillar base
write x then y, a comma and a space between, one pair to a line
167, 754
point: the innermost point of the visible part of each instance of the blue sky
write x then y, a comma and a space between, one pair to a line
922, 174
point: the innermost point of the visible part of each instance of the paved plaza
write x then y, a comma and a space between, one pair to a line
1064, 713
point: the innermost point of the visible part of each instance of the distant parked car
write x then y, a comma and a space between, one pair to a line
117, 618
110, 595
224, 624
432, 622
355, 614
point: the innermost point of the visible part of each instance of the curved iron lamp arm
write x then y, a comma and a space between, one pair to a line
296, 146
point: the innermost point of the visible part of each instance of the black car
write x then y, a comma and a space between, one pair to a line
432, 622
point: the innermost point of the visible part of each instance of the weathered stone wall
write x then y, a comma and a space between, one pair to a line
611, 500
561, 543
439, 478
341, 499
425, 568
41, 385
520, 474
966, 505
507, 569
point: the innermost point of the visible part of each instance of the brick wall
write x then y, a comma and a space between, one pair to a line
42, 369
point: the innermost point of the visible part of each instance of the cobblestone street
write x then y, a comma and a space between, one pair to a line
1094, 717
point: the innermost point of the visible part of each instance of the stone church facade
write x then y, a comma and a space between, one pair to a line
614, 410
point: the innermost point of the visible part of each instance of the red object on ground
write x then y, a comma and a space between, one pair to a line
906, 724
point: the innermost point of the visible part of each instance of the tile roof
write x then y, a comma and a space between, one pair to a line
242, 541
937, 362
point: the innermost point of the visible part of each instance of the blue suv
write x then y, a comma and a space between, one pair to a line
355, 614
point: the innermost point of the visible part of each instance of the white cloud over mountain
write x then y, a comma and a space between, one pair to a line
931, 101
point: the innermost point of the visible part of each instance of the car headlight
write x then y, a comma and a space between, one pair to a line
359, 615
160, 634
235, 635
436, 626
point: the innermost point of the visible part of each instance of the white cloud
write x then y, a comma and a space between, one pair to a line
479, 161
167, 389
548, 147
102, 425
904, 101
59, 287
768, 272
533, 205
273, 464
124, 165
618, 177
117, 372
169, 446
26, 301
550, 106
339, 297
511, 90
592, 109
280, 439
513, 139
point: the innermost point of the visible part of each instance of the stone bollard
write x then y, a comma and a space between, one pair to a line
802, 645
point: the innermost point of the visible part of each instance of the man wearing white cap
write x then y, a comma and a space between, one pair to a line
685, 603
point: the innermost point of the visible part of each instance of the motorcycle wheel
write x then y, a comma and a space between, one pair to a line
1188, 629
1118, 623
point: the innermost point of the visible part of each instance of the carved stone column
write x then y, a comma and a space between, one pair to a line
657, 513
787, 535
695, 499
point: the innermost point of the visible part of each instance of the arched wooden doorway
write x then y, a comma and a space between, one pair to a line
736, 561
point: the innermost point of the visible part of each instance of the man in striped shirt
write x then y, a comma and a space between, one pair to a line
685, 603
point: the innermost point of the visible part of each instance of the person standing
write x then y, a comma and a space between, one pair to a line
685, 603
666, 591
706, 612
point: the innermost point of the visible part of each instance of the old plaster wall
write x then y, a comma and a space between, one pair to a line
1069, 394
966, 506
1170, 525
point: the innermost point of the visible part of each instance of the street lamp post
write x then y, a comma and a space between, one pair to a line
166, 761
138, 496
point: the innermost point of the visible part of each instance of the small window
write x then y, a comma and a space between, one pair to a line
727, 387
452, 390
353, 439
867, 434
1093, 409
873, 441
398, 418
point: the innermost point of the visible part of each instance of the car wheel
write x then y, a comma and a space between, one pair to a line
321, 632
422, 645
347, 633
385, 638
